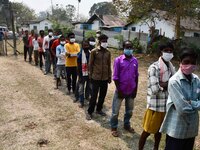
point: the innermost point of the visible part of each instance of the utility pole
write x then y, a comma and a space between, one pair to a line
78, 10
52, 7
13, 29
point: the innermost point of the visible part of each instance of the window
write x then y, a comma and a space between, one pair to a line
133, 29
196, 34
35, 28
46, 28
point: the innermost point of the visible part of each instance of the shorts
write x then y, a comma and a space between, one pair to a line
153, 121
60, 69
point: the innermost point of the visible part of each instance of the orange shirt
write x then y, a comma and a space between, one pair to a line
73, 49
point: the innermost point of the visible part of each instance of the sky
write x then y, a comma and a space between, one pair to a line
43, 5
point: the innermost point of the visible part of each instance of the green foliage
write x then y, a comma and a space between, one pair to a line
89, 33
103, 8
137, 46
120, 38
65, 29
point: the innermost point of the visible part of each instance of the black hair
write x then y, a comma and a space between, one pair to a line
85, 41
124, 43
168, 44
50, 30
70, 34
91, 38
187, 52
103, 37
62, 36
41, 31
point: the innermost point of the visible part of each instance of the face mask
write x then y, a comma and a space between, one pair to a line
104, 44
97, 35
50, 33
187, 69
62, 42
128, 52
167, 56
72, 40
92, 43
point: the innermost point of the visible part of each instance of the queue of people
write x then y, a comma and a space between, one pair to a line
173, 98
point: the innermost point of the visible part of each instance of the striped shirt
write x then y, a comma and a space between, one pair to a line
182, 118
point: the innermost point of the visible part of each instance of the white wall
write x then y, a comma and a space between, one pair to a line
163, 26
95, 25
41, 25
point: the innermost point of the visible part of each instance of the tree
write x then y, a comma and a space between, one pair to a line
143, 10
103, 8
63, 14
22, 12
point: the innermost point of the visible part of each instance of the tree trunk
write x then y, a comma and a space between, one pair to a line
178, 26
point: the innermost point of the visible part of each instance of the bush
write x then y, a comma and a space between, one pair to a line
89, 33
137, 46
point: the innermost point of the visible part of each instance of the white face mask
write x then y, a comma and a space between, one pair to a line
92, 43
104, 44
50, 33
98, 35
62, 42
72, 40
167, 56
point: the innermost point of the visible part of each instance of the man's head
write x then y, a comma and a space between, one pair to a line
166, 51
26, 32
32, 32
98, 33
103, 41
188, 60
71, 37
36, 36
42, 33
50, 32
62, 40
92, 41
128, 48
85, 45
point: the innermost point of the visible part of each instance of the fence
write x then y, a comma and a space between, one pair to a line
116, 38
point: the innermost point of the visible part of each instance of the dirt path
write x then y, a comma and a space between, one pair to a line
34, 114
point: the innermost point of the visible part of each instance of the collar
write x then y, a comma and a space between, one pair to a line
182, 76
124, 57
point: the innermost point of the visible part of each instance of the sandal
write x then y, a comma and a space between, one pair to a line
129, 129
115, 133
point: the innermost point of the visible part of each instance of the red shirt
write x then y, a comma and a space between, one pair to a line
40, 42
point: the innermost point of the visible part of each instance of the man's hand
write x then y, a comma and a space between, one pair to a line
109, 80
164, 85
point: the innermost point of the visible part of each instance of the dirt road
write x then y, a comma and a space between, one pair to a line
33, 115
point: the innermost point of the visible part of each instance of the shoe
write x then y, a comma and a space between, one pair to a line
129, 129
81, 105
75, 100
45, 73
40, 68
114, 132
68, 92
101, 113
88, 116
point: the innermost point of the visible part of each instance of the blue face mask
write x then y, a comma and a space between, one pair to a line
128, 52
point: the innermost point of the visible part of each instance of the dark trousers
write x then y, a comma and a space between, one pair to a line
30, 53
101, 88
179, 144
36, 57
41, 59
47, 61
26, 50
54, 62
71, 78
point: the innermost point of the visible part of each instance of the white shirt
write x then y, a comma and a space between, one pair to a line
60, 54
35, 45
46, 41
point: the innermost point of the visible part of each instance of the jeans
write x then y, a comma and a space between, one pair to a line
100, 87
71, 78
47, 61
129, 104
40, 56
36, 57
26, 50
84, 89
30, 53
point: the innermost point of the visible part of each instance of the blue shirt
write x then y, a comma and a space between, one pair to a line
182, 118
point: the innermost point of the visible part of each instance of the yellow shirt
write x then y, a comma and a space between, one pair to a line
72, 49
